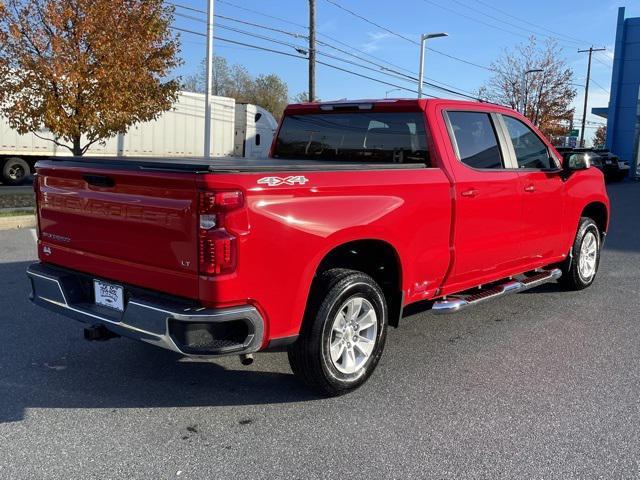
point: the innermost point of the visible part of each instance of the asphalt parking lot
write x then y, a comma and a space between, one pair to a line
543, 384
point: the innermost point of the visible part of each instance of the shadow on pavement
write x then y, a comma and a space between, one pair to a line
45, 363
624, 234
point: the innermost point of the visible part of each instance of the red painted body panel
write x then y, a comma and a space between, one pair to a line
143, 231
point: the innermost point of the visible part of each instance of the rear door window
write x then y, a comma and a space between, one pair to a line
476, 139
367, 137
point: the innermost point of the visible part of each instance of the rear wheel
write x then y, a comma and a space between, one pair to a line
343, 334
15, 171
580, 270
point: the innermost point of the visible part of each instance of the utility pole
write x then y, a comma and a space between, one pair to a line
312, 50
209, 81
586, 91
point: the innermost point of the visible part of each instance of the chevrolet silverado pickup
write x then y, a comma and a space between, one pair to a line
362, 208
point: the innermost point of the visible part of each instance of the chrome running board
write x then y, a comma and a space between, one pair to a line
454, 303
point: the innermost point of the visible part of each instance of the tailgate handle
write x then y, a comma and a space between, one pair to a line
99, 180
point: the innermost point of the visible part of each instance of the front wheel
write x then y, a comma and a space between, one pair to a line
580, 270
343, 333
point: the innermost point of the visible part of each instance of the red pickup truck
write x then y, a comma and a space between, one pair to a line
363, 208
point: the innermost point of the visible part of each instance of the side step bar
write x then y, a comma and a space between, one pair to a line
457, 302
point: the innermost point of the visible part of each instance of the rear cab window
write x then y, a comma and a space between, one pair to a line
475, 139
366, 136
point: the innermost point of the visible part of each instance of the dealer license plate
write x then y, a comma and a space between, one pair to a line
109, 295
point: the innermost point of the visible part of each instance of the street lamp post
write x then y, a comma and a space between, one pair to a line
423, 45
524, 88
386, 94
209, 81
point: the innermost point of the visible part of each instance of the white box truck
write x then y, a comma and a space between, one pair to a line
236, 130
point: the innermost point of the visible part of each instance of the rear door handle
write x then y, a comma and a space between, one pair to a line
470, 193
530, 188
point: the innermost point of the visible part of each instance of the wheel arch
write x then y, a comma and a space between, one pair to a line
378, 259
599, 213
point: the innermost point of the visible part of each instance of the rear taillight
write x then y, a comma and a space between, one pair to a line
218, 252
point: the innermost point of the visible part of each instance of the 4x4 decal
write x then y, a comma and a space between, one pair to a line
277, 181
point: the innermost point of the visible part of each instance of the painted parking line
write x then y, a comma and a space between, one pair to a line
34, 235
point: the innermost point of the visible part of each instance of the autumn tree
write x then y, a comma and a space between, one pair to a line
234, 81
600, 137
547, 95
85, 70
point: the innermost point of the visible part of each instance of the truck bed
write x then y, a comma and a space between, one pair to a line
224, 164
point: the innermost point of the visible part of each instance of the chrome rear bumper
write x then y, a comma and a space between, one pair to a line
164, 321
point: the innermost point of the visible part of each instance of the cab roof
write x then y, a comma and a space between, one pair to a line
386, 104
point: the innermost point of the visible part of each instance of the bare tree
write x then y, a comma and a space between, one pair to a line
546, 95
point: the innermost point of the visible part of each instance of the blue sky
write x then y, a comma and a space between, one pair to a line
479, 30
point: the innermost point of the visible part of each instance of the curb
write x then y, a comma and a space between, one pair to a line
19, 221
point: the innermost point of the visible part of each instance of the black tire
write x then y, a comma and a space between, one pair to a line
572, 278
309, 356
15, 171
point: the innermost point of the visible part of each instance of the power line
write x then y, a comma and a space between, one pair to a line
606, 57
371, 22
279, 52
340, 42
474, 19
531, 23
231, 19
273, 17
573, 43
601, 87
301, 49
609, 67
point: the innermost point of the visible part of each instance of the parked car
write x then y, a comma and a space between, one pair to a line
614, 169
363, 208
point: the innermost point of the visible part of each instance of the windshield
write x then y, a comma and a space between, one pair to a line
354, 137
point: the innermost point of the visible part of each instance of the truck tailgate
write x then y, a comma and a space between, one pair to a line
131, 226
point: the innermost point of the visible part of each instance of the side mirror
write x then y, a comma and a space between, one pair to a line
577, 161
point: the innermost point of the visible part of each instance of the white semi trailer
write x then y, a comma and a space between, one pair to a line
237, 130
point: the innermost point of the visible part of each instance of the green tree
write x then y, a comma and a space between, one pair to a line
85, 70
302, 97
235, 81
219, 81
270, 92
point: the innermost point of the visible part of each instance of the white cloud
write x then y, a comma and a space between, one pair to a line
375, 39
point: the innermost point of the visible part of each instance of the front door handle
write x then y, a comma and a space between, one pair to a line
530, 188
470, 193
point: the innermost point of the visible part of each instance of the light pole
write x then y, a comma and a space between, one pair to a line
386, 94
524, 88
209, 82
423, 45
